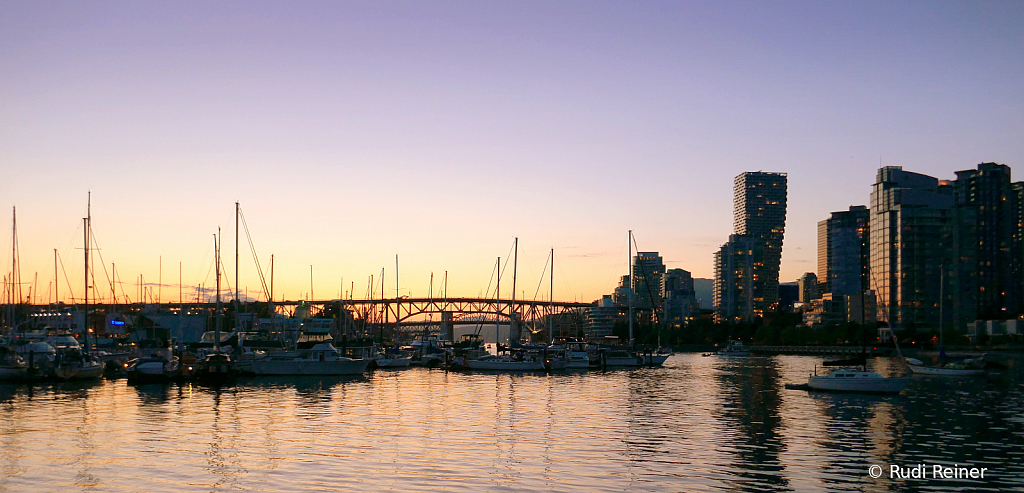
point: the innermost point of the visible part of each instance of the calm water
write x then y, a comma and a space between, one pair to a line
697, 424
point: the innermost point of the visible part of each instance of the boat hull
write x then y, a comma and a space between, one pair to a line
953, 372
860, 385
13, 372
393, 362
286, 367
505, 365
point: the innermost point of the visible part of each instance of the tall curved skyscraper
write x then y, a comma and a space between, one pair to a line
759, 211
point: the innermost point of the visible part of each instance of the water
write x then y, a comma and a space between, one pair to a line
697, 424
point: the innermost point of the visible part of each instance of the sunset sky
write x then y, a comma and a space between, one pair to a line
351, 132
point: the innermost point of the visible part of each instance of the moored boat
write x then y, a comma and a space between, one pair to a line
735, 348
506, 362
153, 368
321, 359
854, 380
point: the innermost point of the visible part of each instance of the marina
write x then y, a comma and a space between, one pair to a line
694, 424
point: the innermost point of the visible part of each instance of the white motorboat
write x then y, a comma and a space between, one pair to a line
392, 360
853, 380
577, 354
620, 358
321, 359
506, 362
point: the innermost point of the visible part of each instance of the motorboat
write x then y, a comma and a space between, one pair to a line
516, 361
392, 359
75, 365
12, 367
735, 348
215, 368
620, 358
156, 367
577, 354
321, 359
857, 380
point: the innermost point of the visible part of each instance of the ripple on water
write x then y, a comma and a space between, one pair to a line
698, 424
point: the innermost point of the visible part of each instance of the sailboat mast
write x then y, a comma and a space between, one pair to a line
216, 256
497, 302
942, 284
551, 301
512, 307
237, 306
629, 294
85, 222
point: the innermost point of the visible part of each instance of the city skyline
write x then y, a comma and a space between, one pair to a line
353, 133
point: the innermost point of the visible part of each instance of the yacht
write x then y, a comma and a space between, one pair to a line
506, 362
857, 380
321, 359
157, 367
12, 367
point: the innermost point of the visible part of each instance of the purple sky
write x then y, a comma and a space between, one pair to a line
351, 132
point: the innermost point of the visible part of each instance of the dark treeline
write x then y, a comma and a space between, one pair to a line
788, 329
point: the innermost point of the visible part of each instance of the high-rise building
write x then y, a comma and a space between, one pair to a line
648, 270
1018, 239
734, 278
681, 304
759, 212
987, 263
808, 287
911, 230
843, 251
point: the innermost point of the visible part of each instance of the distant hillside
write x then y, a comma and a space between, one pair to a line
703, 288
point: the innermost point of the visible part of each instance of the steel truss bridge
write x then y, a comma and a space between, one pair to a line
411, 314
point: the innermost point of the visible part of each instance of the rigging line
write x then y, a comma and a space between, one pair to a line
252, 248
618, 255
103, 263
647, 282
479, 327
70, 289
561, 270
541, 283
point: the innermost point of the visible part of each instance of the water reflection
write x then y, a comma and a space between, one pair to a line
697, 424
750, 389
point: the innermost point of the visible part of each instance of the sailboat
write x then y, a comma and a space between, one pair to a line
658, 356
81, 364
958, 366
216, 367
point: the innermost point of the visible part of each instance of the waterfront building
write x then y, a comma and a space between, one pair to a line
843, 251
988, 264
995, 328
827, 309
759, 212
602, 316
808, 287
911, 225
1018, 238
734, 279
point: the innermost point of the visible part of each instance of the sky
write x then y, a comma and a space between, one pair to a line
354, 132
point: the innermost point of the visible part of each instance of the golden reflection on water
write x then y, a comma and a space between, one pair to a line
698, 424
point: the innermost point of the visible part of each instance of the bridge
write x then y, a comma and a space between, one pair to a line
565, 317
